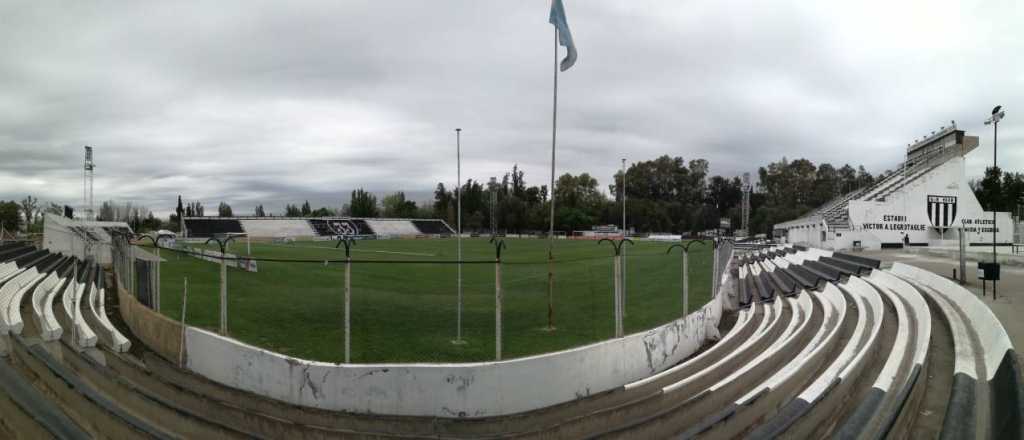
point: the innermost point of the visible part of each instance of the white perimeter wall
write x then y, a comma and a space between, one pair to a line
452, 390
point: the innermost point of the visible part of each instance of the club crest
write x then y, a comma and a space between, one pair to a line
942, 211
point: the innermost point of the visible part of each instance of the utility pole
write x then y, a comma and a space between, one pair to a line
458, 174
997, 115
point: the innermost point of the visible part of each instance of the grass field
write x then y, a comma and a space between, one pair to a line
407, 312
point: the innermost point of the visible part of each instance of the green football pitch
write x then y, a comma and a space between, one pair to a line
406, 312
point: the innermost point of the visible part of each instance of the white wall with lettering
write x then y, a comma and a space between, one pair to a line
928, 209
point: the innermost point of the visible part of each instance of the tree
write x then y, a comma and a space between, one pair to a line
363, 204
323, 211
443, 203
29, 207
292, 211
179, 210
10, 215
260, 212
306, 209
396, 206
224, 210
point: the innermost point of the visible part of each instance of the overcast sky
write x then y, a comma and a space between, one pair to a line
267, 103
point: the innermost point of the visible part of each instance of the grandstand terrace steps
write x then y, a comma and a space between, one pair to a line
302, 227
791, 366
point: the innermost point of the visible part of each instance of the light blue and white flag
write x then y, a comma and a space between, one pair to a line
557, 18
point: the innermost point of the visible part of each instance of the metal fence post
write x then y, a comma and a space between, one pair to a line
348, 242
685, 246
686, 282
223, 281
618, 296
184, 308
619, 300
223, 295
498, 246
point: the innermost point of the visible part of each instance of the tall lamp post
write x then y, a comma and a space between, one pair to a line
623, 234
997, 115
458, 226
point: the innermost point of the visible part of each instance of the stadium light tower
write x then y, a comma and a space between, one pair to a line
458, 226
87, 179
997, 115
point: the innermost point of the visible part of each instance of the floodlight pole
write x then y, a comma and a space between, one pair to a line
458, 235
997, 115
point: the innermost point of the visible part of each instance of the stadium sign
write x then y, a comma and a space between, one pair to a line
927, 202
942, 211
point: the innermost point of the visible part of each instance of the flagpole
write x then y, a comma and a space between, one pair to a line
551, 189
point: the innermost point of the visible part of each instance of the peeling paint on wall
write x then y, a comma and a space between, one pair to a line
479, 389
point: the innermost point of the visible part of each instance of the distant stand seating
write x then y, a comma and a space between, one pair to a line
335, 227
432, 227
212, 226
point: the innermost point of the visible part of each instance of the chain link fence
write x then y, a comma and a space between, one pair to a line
403, 306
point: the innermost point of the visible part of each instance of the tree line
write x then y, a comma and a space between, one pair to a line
665, 194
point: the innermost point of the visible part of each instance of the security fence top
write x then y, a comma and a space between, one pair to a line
348, 242
618, 246
684, 245
499, 244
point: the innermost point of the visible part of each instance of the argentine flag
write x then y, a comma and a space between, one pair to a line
557, 18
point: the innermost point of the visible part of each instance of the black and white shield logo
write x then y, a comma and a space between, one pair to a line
342, 227
942, 211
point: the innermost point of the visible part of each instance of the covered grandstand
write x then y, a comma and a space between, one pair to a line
927, 201
314, 227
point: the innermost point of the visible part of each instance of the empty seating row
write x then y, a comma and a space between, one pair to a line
209, 227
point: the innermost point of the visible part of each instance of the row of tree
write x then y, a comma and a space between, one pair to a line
666, 194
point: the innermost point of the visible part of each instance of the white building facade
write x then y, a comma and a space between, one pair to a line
927, 202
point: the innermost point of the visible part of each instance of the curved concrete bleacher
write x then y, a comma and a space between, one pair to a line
823, 345
98, 320
987, 393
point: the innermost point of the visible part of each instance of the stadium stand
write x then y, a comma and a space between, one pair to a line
203, 227
846, 357
433, 227
292, 227
336, 227
277, 227
394, 228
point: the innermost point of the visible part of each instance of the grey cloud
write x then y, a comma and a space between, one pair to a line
262, 102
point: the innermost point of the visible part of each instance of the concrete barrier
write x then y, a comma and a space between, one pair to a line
158, 332
471, 390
